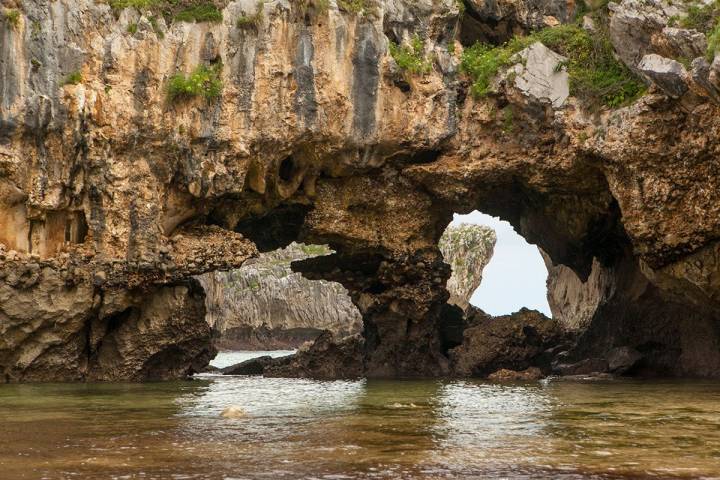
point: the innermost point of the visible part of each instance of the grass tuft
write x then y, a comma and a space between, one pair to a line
73, 78
411, 58
200, 13
713, 43
179, 10
132, 28
203, 81
12, 17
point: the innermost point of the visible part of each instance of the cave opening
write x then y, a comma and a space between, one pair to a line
265, 308
515, 274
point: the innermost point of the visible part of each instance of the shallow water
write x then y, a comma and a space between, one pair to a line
360, 429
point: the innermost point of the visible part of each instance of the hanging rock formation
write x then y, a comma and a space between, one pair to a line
120, 178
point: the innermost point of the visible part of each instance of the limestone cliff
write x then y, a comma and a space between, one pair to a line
467, 249
139, 147
265, 305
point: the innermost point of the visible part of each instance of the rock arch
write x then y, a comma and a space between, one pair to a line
624, 203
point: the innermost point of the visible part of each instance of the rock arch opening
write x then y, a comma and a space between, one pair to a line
515, 274
265, 306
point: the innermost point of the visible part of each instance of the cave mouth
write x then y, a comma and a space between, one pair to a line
515, 276
264, 308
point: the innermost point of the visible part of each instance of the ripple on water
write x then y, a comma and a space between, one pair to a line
296, 428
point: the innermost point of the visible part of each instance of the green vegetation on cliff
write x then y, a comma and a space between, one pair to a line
73, 78
596, 77
203, 81
12, 17
178, 10
411, 58
704, 18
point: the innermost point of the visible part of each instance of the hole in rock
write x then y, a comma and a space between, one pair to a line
265, 308
515, 276
287, 169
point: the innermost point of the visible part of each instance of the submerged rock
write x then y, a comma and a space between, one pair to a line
253, 366
233, 411
505, 375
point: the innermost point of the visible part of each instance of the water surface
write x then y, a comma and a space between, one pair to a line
360, 430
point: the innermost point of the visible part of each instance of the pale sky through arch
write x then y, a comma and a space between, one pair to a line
515, 276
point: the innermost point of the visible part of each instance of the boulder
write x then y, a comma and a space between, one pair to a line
515, 342
682, 42
666, 73
622, 359
254, 366
327, 358
539, 74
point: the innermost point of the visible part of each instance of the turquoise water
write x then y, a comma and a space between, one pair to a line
360, 430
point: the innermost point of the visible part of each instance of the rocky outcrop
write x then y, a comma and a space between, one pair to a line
512, 342
138, 149
264, 305
467, 248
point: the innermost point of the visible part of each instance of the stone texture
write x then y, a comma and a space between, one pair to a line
265, 305
110, 189
513, 342
666, 73
467, 248
537, 75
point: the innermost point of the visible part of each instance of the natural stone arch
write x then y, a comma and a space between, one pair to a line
381, 159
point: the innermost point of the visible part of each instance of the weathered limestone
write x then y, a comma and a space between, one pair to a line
318, 137
467, 249
539, 75
667, 74
265, 305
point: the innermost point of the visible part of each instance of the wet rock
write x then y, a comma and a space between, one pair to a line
326, 358
253, 366
666, 73
514, 342
505, 375
622, 359
583, 367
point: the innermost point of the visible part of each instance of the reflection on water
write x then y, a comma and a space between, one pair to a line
360, 429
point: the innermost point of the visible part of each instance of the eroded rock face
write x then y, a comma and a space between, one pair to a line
319, 136
264, 305
515, 342
467, 248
